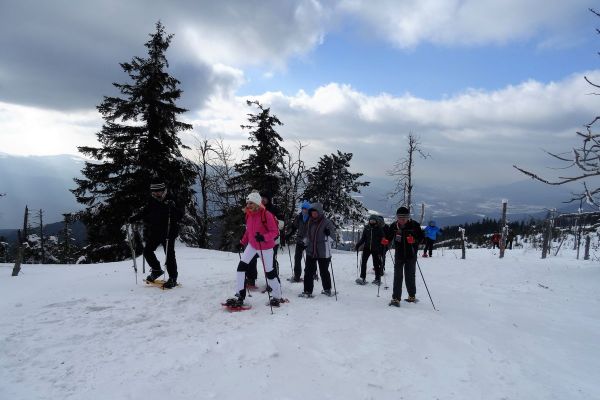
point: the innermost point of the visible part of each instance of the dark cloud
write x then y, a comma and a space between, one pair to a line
64, 54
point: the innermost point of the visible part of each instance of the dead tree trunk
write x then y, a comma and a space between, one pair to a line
504, 229
586, 255
422, 214
546, 240
462, 242
22, 242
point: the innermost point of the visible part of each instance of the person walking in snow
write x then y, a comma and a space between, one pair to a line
161, 218
318, 250
372, 240
299, 225
252, 272
431, 234
406, 234
259, 238
495, 240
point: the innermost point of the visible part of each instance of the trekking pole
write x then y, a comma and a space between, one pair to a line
262, 259
333, 277
290, 254
130, 242
426, 285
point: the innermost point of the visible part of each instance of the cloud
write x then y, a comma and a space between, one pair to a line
474, 138
65, 55
407, 24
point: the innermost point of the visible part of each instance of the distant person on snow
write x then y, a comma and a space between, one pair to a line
406, 235
299, 225
431, 234
373, 239
318, 250
496, 240
161, 218
259, 238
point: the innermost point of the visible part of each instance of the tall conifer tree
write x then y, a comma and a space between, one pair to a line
138, 141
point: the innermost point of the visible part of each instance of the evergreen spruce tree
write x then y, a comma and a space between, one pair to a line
138, 141
332, 184
261, 170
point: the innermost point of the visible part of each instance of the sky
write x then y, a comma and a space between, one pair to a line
484, 84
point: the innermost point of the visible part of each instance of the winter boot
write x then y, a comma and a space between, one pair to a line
411, 299
424, 255
154, 274
170, 284
327, 292
395, 303
275, 302
376, 281
305, 294
361, 281
234, 302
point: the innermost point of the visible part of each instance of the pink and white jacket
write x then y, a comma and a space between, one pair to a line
260, 221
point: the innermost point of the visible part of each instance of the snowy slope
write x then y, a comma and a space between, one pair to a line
518, 328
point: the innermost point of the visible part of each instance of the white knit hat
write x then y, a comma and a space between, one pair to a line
255, 198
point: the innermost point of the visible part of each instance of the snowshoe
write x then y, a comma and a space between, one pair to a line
275, 302
306, 295
267, 289
395, 303
424, 255
376, 282
170, 284
328, 293
361, 282
154, 274
234, 302
412, 299
295, 280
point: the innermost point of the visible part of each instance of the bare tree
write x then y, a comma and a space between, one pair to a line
584, 159
402, 171
294, 182
22, 238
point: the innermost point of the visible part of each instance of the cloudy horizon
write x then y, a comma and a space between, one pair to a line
484, 84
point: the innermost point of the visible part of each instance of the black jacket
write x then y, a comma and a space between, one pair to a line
371, 238
298, 225
398, 236
155, 216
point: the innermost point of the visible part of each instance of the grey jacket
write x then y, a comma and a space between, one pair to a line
318, 244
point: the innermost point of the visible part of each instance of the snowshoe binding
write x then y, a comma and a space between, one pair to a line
361, 281
395, 303
306, 295
154, 274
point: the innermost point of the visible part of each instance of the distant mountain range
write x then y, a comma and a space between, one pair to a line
43, 182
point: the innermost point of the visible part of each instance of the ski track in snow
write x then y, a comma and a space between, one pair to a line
517, 328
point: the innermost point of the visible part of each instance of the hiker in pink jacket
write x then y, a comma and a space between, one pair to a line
259, 238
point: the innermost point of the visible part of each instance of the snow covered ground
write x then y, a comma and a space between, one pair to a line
517, 328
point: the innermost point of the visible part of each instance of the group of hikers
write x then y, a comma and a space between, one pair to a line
313, 233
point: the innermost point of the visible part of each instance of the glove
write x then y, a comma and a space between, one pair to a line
327, 232
259, 238
385, 242
410, 239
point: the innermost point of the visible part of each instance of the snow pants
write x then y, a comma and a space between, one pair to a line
298, 260
429, 246
151, 246
311, 268
404, 269
376, 263
271, 273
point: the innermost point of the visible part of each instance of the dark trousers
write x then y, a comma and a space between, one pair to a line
298, 260
406, 269
383, 256
151, 246
252, 272
376, 263
311, 268
429, 246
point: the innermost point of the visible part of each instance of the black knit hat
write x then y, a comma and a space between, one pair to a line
157, 185
402, 212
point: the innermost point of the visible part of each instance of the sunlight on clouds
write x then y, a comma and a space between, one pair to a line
34, 131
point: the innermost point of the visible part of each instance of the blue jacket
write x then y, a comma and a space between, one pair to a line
432, 232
